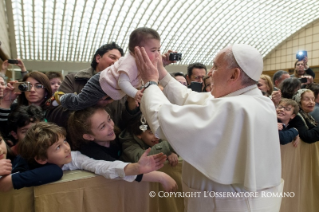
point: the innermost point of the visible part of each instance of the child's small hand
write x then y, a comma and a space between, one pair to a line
280, 127
168, 183
295, 143
138, 97
5, 167
172, 159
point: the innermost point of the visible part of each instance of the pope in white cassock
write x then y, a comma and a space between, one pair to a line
228, 138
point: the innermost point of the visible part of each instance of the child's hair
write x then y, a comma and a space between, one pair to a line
139, 35
24, 115
134, 126
79, 124
292, 103
52, 75
38, 140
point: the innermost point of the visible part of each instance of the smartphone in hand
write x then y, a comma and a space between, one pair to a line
13, 61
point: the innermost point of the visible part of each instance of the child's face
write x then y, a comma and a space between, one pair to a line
22, 131
3, 149
55, 84
285, 113
102, 126
149, 138
152, 48
59, 153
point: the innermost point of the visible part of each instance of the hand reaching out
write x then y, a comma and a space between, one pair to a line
150, 163
21, 65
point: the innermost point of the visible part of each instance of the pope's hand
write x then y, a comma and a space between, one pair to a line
147, 69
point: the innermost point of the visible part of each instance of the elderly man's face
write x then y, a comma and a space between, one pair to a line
220, 74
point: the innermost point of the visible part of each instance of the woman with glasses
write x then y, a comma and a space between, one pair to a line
39, 89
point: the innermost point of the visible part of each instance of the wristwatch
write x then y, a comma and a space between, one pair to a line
149, 83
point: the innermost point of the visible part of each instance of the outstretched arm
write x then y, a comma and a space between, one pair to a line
39, 176
116, 169
146, 163
89, 96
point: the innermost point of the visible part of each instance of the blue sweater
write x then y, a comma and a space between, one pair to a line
23, 176
287, 135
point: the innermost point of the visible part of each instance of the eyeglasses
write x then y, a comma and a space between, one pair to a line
36, 86
199, 77
279, 107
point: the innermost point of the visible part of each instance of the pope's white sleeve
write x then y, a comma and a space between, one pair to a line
179, 94
110, 170
175, 93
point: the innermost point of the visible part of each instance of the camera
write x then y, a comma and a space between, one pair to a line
301, 55
22, 86
303, 80
175, 56
13, 61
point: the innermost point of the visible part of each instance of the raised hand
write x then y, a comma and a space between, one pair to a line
151, 163
147, 69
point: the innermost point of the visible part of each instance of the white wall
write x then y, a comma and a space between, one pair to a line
4, 35
284, 56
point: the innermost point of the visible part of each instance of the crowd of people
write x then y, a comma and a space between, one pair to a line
110, 117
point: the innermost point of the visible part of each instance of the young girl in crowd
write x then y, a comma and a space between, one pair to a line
119, 79
135, 141
92, 132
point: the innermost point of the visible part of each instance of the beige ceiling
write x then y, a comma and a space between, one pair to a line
57, 34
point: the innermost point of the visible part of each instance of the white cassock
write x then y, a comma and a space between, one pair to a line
229, 144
